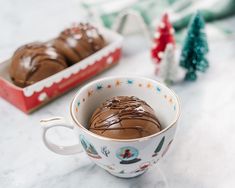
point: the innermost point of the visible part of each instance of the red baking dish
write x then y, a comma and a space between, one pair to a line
31, 97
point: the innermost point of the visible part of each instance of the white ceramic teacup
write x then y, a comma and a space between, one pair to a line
106, 152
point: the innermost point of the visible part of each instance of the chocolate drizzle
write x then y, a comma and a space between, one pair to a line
31, 62
85, 40
124, 117
36, 61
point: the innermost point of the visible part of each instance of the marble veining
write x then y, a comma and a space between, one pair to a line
201, 156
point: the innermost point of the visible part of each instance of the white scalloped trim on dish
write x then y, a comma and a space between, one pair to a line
115, 42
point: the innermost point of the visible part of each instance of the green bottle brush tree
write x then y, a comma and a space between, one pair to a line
195, 48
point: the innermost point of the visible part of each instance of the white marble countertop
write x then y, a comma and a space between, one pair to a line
202, 155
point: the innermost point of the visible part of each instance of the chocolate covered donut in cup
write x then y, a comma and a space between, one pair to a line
124, 117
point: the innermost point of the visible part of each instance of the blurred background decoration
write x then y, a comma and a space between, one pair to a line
115, 14
144, 16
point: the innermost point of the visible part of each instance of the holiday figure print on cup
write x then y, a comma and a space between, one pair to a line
122, 157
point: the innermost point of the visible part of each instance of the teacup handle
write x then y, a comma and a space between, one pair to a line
58, 122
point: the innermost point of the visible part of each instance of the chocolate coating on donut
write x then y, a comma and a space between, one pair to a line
34, 62
78, 42
124, 117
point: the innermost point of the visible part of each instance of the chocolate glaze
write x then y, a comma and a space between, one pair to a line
34, 62
78, 42
124, 117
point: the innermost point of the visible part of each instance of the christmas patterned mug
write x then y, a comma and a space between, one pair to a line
121, 157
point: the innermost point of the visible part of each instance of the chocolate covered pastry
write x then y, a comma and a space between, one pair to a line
124, 117
78, 42
34, 62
